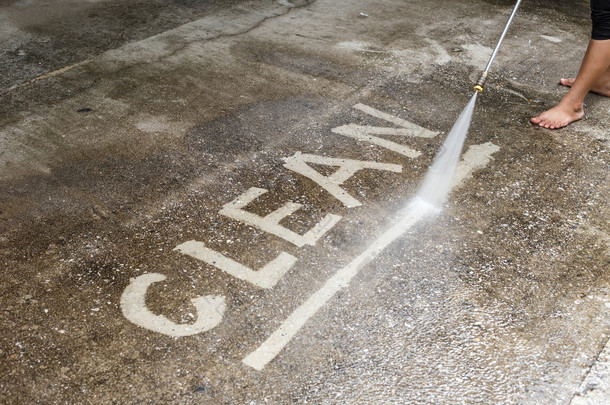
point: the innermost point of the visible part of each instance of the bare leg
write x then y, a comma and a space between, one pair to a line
595, 64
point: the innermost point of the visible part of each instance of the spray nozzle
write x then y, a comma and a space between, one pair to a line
481, 82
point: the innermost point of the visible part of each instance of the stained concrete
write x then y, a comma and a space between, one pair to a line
125, 127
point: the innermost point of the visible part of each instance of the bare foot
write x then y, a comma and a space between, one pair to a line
558, 116
602, 87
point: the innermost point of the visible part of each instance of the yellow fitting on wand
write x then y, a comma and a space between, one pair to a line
481, 82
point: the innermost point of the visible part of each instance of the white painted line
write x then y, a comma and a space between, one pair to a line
271, 222
364, 133
209, 308
475, 158
289, 328
269, 349
550, 38
346, 169
414, 130
267, 277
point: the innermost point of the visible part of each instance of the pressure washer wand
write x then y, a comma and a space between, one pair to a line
483, 78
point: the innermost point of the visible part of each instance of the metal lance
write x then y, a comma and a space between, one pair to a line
481, 82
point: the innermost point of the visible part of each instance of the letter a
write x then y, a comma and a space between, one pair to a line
347, 168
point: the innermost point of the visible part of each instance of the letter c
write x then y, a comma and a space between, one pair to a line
210, 309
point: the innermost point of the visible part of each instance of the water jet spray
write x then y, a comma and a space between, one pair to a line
437, 182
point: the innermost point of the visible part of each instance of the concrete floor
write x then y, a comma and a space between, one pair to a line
205, 202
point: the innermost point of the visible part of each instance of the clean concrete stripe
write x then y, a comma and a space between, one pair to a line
266, 352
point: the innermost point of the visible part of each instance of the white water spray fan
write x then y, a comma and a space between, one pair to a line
438, 179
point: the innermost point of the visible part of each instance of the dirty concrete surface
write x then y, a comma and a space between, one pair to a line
130, 129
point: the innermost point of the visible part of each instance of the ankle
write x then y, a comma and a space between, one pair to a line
569, 103
604, 83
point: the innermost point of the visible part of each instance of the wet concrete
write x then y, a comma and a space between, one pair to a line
123, 138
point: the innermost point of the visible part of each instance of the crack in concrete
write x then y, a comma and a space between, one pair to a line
288, 7
583, 389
